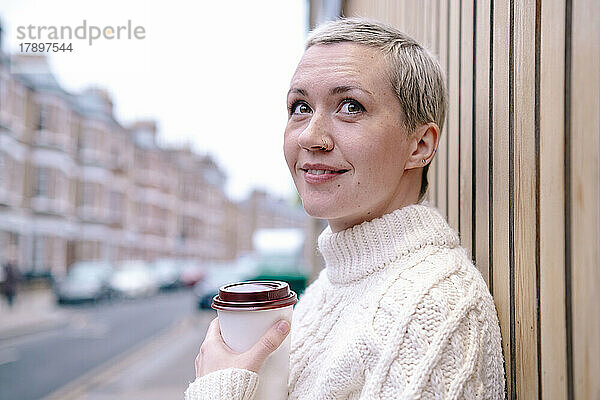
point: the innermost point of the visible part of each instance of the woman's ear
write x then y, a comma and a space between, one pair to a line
425, 140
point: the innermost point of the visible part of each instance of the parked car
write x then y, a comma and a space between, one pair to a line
167, 273
220, 274
192, 272
38, 278
133, 279
85, 281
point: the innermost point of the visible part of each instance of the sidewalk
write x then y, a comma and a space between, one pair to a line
33, 311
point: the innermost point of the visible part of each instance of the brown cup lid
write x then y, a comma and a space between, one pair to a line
254, 296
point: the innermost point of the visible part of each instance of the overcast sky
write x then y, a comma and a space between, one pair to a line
213, 74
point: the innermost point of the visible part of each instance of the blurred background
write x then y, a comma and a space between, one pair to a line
137, 176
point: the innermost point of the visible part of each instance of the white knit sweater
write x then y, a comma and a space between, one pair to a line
399, 312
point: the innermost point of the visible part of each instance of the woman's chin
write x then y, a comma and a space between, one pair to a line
319, 210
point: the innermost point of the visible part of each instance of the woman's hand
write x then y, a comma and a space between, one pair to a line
215, 354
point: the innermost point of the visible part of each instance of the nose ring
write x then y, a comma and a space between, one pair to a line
325, 145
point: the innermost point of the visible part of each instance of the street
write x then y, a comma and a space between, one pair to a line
112, 350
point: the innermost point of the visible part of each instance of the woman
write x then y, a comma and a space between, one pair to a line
399, 312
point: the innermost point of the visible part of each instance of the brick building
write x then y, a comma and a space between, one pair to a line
75, 184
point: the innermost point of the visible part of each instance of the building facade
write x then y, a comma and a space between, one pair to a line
75, 184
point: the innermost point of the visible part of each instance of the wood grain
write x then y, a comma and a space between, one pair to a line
544, 278
525, 218
552, 205
585, 197
442, 151
500, 170
466, 126
453, 118
482, 129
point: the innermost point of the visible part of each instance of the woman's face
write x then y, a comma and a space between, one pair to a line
341, 94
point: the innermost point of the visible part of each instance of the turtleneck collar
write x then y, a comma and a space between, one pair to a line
356, 252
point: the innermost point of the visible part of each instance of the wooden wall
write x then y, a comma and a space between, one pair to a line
517, 172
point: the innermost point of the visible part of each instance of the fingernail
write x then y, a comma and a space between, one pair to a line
283, 326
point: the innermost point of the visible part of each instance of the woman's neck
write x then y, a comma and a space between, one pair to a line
356, 252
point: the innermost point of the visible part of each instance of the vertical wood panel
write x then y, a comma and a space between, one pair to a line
435, 12
453, 115
390, 11
429, 22
418, 18
430, 19
500, 190
585, 197
403, 15
482, 116
434, 26
431, 195
466, 125
552, 187
441, 154
525, 201
357, 9
422, 27
412, 15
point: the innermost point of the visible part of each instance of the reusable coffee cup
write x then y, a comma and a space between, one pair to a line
246, 310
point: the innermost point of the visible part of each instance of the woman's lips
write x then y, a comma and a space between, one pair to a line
316, 176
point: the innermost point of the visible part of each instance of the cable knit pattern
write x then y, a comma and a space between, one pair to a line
231, 383
399, 312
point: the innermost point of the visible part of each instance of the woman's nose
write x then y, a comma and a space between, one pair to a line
315, 137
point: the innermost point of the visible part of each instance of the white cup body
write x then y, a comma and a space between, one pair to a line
242, 329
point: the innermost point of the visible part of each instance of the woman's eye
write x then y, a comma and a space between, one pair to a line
300, 108
351, 107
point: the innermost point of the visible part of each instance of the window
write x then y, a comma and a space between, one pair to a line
3, 169
186, 228
43, 121
14, 177
86, 139
38, 253
89, 138
18, 101
63, 121
3, 89
116, 203
42, 182
88, 194
61, 186
114, 156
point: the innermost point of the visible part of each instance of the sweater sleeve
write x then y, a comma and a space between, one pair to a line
226, 384
448, 347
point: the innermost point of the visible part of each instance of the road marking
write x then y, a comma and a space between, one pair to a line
89, 331
8, 355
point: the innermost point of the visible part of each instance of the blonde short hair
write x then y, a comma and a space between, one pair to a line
415, 74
